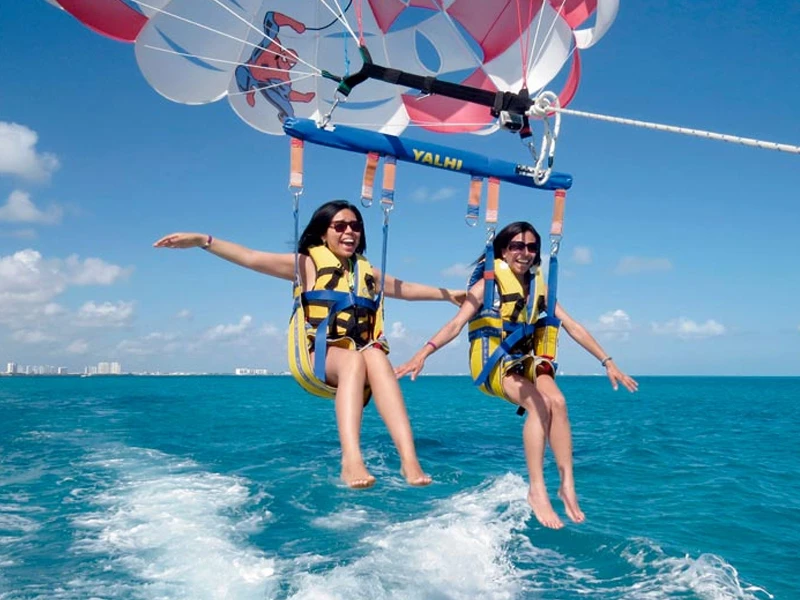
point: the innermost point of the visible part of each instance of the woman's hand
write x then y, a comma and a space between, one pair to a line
616, 377
413, 366
457, 297
182, 240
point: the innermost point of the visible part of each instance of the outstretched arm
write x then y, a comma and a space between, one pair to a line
406, 290
581, 335
446, 334
277, 265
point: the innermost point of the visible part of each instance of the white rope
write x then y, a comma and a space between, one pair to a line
223, 34
233, 62
734, 139
340, 16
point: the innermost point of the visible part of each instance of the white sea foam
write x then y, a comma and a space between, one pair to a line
459, 550
708, 575
179, 529
347, 518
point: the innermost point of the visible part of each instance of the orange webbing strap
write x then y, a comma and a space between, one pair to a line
296, 165
474, 201
492, 202
557, 226
368, 185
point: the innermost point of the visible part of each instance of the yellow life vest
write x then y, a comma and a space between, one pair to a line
504, 334
346, 305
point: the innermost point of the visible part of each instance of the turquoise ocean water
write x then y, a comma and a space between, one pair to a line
226, 487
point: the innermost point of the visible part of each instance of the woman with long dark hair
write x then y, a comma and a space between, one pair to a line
332, 269
517, 373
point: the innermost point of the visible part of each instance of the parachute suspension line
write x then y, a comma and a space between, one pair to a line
336, 20
258, 88
339, 14
534, 58
296, 187
523, 45
723, 137
360, 21
474, 200
223, 34
303, 74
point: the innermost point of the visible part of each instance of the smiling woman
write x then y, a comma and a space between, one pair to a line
507, 360
340, 304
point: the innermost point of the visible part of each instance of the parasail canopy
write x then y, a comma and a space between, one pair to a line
275, 59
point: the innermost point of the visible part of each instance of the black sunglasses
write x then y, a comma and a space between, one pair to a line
341, 226
532, 247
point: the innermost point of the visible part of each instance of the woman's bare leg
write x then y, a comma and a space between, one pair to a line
524, 393
346, 370
561, 443
392, 408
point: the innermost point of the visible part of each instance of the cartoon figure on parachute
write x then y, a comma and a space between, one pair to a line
268, 68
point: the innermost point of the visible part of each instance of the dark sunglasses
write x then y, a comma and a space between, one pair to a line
341, 226
532, 247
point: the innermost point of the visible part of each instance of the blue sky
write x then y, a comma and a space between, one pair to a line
679, 253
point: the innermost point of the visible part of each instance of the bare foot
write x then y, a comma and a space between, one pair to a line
415, 476
543, 510
570, 500
357, 476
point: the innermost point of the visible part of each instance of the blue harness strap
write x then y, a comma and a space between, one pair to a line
339, 301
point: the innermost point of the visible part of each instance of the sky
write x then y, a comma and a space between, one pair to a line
679, 253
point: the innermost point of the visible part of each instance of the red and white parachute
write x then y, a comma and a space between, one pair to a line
279, 58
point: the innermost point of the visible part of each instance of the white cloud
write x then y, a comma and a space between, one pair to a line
687, 329
153, 343
78, 347
270, 330
107, 314
615, 324
460, 270
582, 255
20, 209
631, 265
184, 314
20, 234
423, 194
31, 336
229, 332
18, 155
93, 271
398, 331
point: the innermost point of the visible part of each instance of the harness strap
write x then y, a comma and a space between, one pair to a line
504, 349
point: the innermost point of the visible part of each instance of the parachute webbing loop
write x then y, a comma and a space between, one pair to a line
296, 165
722, 137
474, 201
492, 204
368, 184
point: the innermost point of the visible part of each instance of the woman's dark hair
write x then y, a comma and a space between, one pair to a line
321, 220
508, 233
